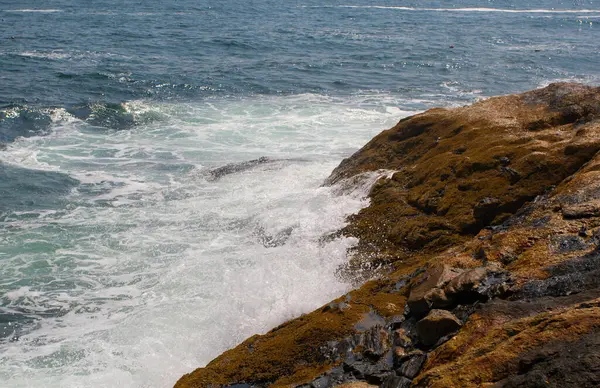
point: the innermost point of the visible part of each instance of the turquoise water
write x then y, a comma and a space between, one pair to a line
125, 260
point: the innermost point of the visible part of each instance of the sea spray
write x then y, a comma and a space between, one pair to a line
143, 267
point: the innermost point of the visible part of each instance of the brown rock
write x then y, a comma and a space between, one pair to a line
402, 339
509, 339
583, 210
429, 293
437, 324
439, 198
466, 281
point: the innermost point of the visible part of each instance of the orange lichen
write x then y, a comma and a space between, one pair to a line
487, 348
528, 162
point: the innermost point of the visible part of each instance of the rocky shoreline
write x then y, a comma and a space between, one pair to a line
483, 250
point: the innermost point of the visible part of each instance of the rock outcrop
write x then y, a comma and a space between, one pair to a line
484, 247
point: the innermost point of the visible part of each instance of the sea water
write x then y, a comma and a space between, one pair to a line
162, 163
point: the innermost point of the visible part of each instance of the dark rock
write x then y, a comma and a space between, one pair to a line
566, 244
463, 312
563, 285
595, 238
411, 366
410, 327
513, 175
558, 364
585, 263
233, 168
273, 240
372, 372
485, 209
507, 256
437, 324
394, 381
480, 255
331, 378
396, 321
321, 382
358, 369
376, 342
336, 350
399, 354
541, 222
504, 160
569, 277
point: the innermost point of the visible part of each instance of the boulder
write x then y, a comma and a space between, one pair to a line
428, 293
466, 281
412, 364
396, 382
437, 324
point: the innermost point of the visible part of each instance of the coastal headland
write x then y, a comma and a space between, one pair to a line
478, 261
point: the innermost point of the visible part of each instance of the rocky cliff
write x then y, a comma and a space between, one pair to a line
483, 250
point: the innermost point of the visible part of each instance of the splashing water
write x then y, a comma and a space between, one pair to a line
136, 267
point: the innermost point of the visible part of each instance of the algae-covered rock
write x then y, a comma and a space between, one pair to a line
488, 228
460, 170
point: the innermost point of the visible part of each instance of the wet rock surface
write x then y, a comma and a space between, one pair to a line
485, 243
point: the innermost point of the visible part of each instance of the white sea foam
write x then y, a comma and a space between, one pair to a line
32, 10
151, 270
474, 9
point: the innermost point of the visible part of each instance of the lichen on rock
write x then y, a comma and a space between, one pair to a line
478, 260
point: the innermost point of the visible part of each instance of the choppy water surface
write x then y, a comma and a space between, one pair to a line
161, 163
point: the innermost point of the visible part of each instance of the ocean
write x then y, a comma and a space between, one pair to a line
161, 162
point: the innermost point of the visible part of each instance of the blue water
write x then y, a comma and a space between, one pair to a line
69, 52
125, 260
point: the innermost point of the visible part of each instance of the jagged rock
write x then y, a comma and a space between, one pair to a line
429, 292
412, 364
376, 342
437, 324
374, 373
477, 284
396, 382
